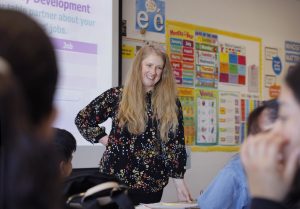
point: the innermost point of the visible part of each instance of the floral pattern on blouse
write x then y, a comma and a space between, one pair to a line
143, 162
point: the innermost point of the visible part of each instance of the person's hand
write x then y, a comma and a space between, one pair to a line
269, 175
183, 193
104, 140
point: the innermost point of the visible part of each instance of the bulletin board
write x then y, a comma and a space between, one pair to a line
219, 74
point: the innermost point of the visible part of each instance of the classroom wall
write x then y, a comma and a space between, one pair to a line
272, 20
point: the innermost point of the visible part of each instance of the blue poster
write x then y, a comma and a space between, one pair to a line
150, 15
276, 65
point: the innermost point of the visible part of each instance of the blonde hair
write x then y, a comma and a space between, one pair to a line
132, 109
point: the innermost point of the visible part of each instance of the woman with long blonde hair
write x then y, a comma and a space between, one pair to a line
146, 144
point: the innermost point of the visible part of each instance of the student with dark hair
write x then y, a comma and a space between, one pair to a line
65, 146
271, 160
263, 117
29, 176
229, 189
29, 52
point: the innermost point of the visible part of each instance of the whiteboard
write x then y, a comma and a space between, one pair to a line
85, 37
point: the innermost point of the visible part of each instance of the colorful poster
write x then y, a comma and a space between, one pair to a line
272, 73
229, 118
181, 51
150, 15
206, 61
232, 64
127, 51
186, 96
206, 106
248, 104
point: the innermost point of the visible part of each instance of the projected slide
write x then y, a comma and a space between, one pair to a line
81, 32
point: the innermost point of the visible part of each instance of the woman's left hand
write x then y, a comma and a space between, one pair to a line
183, 193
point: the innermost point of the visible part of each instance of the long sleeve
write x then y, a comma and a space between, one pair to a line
143, 162
98, 111
174, 149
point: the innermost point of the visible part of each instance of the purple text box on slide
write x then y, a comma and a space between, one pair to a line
74, 46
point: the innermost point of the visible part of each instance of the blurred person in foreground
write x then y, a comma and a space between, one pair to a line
271, 159
29, 173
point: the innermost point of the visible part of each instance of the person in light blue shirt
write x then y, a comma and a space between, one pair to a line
229, 189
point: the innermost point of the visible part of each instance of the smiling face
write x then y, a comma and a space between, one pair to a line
152, 68
289, 119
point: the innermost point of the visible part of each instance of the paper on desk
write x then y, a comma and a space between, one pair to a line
171, 205
141, 207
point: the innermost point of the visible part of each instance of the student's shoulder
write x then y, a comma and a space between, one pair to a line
233, 164
234, 169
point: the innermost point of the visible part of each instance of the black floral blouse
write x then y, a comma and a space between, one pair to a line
143, 162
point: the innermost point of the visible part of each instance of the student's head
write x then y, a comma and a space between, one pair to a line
151, 72
65, 146
28, 167
29, 175
289, 113
28, 50
12, 114
263, 117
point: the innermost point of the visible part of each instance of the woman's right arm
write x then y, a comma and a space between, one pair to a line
98, 111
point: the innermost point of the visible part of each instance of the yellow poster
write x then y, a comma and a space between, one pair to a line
186, 96
180, 46
127, 51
